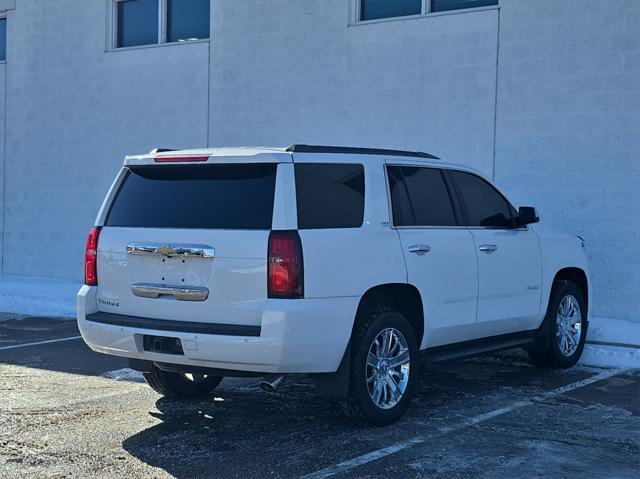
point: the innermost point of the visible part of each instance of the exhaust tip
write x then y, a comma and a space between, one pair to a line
267, 387
270, 385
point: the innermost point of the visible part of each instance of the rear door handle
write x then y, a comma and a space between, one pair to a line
488, 248
419, 249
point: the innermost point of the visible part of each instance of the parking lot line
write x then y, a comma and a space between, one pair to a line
350, 464
36, 343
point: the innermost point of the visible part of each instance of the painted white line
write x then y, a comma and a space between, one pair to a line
48, 341
399, 446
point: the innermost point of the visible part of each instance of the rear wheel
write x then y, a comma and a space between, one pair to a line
384, 367
176, 385
567, 325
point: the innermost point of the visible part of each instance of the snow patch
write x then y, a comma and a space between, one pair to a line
611, 330
33, 296
124, 374
610, 356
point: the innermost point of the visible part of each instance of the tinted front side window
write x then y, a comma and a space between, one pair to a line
484, 205
187, 20
137, 23
419, 197
374, 9
329, 195
203, 196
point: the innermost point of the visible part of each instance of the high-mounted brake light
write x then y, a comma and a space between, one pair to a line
286, 272
179, 159
91, 258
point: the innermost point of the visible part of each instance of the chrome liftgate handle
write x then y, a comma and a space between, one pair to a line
181, 293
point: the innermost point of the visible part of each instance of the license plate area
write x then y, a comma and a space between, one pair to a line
162, 344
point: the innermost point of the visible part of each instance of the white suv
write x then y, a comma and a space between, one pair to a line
345, 264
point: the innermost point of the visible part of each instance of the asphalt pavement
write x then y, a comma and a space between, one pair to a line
66, 411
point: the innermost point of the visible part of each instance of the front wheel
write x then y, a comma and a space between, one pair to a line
384, 367
176, 385
567, 323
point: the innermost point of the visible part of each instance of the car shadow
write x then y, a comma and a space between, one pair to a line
244, 432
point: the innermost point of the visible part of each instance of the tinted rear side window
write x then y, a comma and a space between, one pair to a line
484, 205
419, 197
202, 196
329, 195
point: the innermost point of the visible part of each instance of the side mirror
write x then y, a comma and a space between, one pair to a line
526, 216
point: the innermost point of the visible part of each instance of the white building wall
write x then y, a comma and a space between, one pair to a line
565, 119
73, 111
568, 130
566, 114
2, 156
6, 6
288, 71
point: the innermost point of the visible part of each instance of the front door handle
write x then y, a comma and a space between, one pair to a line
488, 248
419, 249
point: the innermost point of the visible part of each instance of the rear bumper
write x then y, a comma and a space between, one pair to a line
295, 336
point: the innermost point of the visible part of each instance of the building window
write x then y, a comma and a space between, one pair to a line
137, 22
187, 20
376, 9
3, 39
152, 22
444, 5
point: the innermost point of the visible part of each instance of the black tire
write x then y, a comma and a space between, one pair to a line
551, 356
179, 386
360, 403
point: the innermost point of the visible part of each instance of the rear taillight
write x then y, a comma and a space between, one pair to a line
286, 273
91, 258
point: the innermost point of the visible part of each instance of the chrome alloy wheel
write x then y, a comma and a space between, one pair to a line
569, 325
388, 368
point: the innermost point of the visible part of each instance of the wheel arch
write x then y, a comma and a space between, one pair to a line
402, 297
578, 277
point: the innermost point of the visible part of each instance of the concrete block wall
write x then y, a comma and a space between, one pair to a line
73, 111
6, 6
288, 71
568, 130
545, 94
2, 157
563, 109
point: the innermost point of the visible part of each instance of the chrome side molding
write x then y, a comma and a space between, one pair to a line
171, 250
181, 293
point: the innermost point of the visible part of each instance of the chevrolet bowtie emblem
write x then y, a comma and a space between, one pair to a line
165, 250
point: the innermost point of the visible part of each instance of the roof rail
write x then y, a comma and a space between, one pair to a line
355, 151
160, 150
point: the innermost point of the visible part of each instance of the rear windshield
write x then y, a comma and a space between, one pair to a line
196, 197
